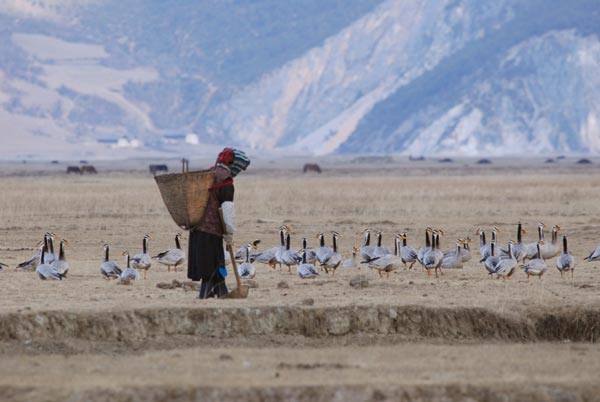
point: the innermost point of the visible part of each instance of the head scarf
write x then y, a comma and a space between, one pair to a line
240, 162
226, 156
234, 159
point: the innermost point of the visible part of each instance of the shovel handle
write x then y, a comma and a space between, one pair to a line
238, 280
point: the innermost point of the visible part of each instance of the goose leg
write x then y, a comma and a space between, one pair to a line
145, 272
379, 272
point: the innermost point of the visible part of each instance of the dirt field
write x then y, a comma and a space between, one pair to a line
411, 337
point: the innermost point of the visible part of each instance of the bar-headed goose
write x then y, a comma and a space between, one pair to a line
424, 249
47, 271
506, 267
33, 262
269, 256
531, 248
433, 258
283, 230
551, 250
246, 269
366, 250
61, 264
142, 261
129, 273
518, 248
172, 257
109, 269
594, 255
482, 243
537, 266
353, 261
332, 260
311, 253
323, 251
290, 257
454, 260
306, 270
380, 250
485, 249
492, 260
565, 262
407, 253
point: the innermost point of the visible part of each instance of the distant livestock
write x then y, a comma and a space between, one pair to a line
89, 169
311, 167
158, 168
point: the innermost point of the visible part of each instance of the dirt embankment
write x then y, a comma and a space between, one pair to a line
348, 393
400, 322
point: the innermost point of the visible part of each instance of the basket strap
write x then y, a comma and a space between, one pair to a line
224, 184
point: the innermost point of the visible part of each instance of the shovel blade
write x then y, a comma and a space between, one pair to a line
238, 293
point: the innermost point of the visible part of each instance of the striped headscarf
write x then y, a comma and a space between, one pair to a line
240, 162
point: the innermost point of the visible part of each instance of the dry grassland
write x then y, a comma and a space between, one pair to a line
119, 208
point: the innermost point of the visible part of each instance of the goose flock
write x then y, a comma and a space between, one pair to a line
49, 265
498, 262
532, 258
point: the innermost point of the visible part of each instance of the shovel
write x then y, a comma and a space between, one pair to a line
242, 290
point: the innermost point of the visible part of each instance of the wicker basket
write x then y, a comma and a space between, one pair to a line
186, 195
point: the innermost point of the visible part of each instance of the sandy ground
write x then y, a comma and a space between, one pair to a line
119, 208
407, 364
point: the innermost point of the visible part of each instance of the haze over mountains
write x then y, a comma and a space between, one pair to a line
107, 78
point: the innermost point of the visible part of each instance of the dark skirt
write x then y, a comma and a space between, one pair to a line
205, 255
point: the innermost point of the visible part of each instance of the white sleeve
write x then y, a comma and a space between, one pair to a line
228, 216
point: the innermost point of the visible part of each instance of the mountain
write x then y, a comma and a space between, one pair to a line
107, 78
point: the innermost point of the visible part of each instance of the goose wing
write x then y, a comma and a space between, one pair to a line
110, 269
48, 272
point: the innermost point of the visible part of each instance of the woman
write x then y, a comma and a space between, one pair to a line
206, 260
